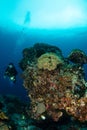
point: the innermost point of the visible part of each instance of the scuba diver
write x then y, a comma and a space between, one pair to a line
27, 18
11, 72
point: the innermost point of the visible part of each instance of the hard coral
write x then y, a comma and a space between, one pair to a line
31, 54
49, 61
55, 87
78, 56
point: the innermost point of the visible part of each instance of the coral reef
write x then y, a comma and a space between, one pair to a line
3, 116
13, 115
78, 56
55, 85
31, 54
49, 61
3, 126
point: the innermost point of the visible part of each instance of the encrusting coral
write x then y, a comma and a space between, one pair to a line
56, 86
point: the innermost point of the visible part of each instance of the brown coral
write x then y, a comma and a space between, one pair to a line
49, 61
3, 116
54, 88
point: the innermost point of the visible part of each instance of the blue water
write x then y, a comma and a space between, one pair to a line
21, 23
12, 42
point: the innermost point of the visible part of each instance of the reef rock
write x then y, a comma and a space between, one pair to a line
78, 56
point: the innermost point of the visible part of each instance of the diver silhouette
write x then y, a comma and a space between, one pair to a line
27, 18
11, 72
